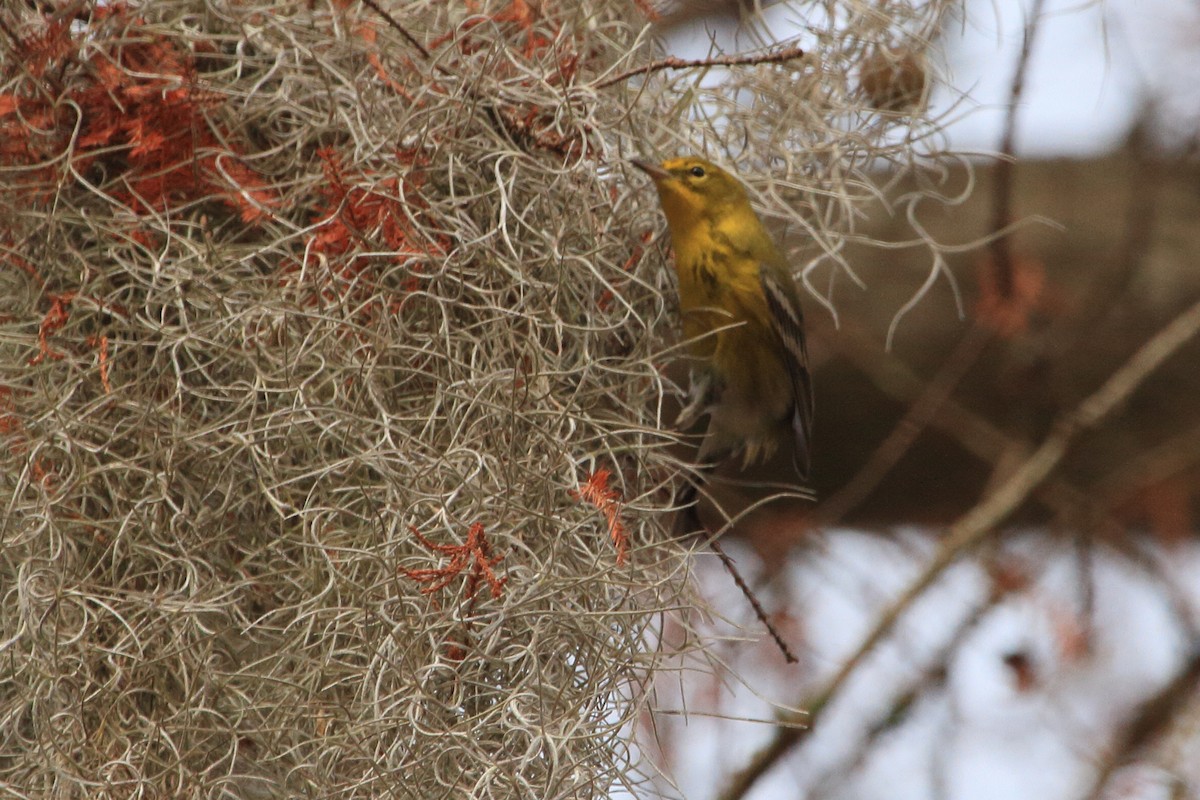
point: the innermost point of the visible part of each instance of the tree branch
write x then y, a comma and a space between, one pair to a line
1153, 717
922, 411
976, 524
371, 4
1002, 197
778, 57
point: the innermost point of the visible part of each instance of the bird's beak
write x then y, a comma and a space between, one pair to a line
653, 170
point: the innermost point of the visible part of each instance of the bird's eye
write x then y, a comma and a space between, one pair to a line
698, 172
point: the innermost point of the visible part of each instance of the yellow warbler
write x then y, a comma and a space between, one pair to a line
741, 314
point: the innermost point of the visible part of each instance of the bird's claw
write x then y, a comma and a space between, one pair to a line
699, 400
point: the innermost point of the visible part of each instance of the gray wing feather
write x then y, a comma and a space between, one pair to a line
787, 319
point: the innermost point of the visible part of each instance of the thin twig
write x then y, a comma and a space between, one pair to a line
371, 4
1151, 466
1002, 191
1141, 216
688, 521
731, 568
931, 676
974, 526
787, 54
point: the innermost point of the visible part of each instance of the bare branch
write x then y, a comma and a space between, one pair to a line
779, 57
1002, 192
923, 410
374, 6
759, 612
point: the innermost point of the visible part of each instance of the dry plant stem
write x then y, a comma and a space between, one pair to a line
287, 395
973, 527
11, 34
919, 415
1001, 255
488, 107
1154, 717
787, 54
732, 569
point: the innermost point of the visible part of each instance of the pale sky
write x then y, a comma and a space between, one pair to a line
1094, 65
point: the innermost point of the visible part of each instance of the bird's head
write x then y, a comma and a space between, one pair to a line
692, 189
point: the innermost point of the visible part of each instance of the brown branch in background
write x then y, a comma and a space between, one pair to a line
1075, 333
901, 438
931, 676
1002, 197
1153, 718
981, 520
1151, 466
988, 443
731, 568
778, 57
1085, 554
975, 434
1145, 197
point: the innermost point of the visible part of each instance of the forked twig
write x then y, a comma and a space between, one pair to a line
920, 414
978, 436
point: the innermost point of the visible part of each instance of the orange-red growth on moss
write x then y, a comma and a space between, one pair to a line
135, 108
474, 553
595, 490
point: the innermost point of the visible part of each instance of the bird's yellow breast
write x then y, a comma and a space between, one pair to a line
719, 284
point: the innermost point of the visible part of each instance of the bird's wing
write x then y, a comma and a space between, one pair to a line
787, 320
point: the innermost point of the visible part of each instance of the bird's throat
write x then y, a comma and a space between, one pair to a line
684, 211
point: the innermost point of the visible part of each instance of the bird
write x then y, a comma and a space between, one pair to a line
741, 316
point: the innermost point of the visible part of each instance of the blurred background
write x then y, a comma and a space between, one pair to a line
1059, 659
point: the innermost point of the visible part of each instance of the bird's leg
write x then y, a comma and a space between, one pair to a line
687, 518
713, 451
700, 397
